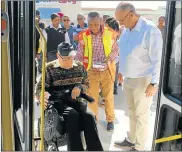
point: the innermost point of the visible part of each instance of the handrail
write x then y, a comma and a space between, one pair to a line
44, 50
7, 124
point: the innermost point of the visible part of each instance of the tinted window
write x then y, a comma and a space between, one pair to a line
174, 85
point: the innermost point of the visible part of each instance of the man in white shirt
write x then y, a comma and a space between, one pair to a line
140, 58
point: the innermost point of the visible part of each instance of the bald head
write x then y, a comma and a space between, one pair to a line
126, 14
124, 6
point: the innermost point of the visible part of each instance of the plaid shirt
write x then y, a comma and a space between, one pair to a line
98, 51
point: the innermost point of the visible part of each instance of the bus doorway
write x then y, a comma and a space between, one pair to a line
168, 124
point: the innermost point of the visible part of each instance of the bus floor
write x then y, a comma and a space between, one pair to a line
121, 124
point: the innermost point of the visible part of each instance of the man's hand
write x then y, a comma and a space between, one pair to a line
120, 78
75, 37
37, 56
75, 92
150, 91
46, 97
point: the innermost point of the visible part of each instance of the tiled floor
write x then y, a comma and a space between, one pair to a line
121, 124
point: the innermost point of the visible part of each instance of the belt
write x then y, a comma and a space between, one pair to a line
137, 77
99, 69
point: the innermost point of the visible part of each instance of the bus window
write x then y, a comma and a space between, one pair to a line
174, 80
168, 117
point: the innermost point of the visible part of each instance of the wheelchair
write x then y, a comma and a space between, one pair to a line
57, 143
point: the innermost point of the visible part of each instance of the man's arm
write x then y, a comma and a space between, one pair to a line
114, 53
154, 44
48, 82
85, 82
37, 41
80, 52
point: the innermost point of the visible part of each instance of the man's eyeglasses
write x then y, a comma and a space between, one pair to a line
66, 20
65, 58
79, 19
125, 16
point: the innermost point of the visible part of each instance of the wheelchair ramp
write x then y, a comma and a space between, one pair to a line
121, 124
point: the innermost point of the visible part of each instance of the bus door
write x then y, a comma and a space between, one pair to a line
18, 75
168, 124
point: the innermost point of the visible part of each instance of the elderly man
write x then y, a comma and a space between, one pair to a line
65, 81
140, 58
97, 49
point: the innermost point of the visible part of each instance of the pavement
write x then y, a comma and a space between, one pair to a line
121, 124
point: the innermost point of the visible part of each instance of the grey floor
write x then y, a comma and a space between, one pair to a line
121, 123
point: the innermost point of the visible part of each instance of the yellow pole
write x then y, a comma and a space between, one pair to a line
43, 86
7, 124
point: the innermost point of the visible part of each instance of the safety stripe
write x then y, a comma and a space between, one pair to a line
166, 139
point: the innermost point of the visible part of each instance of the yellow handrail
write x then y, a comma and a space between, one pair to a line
7, 125
167, 139
43, 85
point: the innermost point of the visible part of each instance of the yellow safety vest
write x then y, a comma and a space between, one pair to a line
86, 39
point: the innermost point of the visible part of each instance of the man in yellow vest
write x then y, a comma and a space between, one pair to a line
97, 49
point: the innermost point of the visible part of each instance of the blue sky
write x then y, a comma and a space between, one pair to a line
112, 4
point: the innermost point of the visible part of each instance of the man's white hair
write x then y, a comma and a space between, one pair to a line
125, 6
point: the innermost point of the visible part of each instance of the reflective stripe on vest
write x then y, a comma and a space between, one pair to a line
108, 40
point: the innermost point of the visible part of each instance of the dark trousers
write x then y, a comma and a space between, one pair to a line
77, 120
116, 77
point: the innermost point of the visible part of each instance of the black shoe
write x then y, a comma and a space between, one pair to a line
133, 149
110, 126
125, 143
115, 92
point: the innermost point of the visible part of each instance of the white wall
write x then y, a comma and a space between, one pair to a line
67, 8
73, 9
151, 15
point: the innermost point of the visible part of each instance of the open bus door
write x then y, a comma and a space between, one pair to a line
18, 74
168, 124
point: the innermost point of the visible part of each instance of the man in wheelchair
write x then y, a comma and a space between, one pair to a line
65, 87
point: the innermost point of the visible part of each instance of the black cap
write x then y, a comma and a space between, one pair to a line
66, 49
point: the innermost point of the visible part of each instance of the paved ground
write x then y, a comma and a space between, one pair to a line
121, 124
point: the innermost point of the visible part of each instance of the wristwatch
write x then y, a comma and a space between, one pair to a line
155, 85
